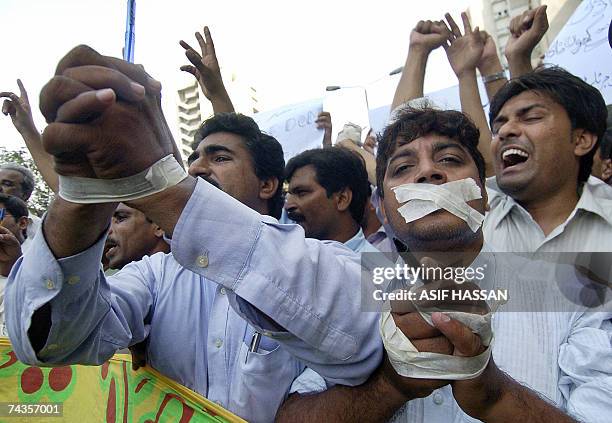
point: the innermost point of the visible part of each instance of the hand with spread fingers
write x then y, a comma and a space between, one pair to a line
205, 68
526, 31
18, 108
489, 53
105, 117
464, 51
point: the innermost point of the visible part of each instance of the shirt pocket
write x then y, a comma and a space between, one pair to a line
262, 379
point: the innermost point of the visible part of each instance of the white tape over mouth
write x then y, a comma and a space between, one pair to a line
163, 174
423, 199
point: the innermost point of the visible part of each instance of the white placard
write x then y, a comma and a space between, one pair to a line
293, 126
582, 45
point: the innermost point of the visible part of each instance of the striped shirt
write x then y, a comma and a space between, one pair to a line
509, 227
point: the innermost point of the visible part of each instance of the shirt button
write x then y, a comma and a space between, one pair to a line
222, 291
73, 280
202, 261
438, 399
49, 284
218, 343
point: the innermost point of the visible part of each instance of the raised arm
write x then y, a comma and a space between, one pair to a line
21, 114
205, 68
324, 122
526, 31
121, 124
490, 67
464, 53
424, 38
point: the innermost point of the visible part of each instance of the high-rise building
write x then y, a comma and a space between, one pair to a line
494, 17
193, 107
189, 116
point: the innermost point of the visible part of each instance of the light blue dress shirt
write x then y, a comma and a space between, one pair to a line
360, 244
228, 264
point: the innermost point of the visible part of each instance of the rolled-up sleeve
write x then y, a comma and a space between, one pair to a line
585, 360
311, 289
88, 321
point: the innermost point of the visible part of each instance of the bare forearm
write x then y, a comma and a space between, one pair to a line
374, 401
165, 208
519, 64
494, 67
412, 80
519, 403
70, 228
42, 159
471, 105
222, 102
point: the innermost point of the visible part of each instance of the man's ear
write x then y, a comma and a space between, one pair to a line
157, 231
343, 199
267, 188
584, 142
22, 223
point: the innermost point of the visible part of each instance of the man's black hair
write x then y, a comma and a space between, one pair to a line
14, 205
336, 169
582, 102
412, 123
265, 150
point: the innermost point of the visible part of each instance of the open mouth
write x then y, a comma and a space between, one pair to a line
514, 156
111, 247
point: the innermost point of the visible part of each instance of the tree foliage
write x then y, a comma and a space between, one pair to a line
42, 195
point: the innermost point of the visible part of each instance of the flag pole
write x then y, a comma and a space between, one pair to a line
130, 32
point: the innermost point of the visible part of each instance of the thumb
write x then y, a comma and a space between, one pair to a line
466, 343
190, 69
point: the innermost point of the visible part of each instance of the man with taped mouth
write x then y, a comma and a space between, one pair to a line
431, 177
239, 293
327, 192
546, 127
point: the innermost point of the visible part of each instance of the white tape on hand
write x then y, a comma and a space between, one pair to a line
423, 199
163, 174
409, 362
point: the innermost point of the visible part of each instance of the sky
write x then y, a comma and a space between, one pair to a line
288, 50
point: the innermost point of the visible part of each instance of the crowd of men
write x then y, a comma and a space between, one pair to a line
242, 279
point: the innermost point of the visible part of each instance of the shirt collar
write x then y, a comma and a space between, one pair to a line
596, 198
356, 242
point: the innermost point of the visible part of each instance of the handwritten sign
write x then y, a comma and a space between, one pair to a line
583, 47
293, 126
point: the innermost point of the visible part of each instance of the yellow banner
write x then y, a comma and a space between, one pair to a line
109, 393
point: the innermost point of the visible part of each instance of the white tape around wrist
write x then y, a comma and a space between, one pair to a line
410, 362
163, 174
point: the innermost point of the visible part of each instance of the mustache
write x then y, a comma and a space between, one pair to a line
212, 182
296, 217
